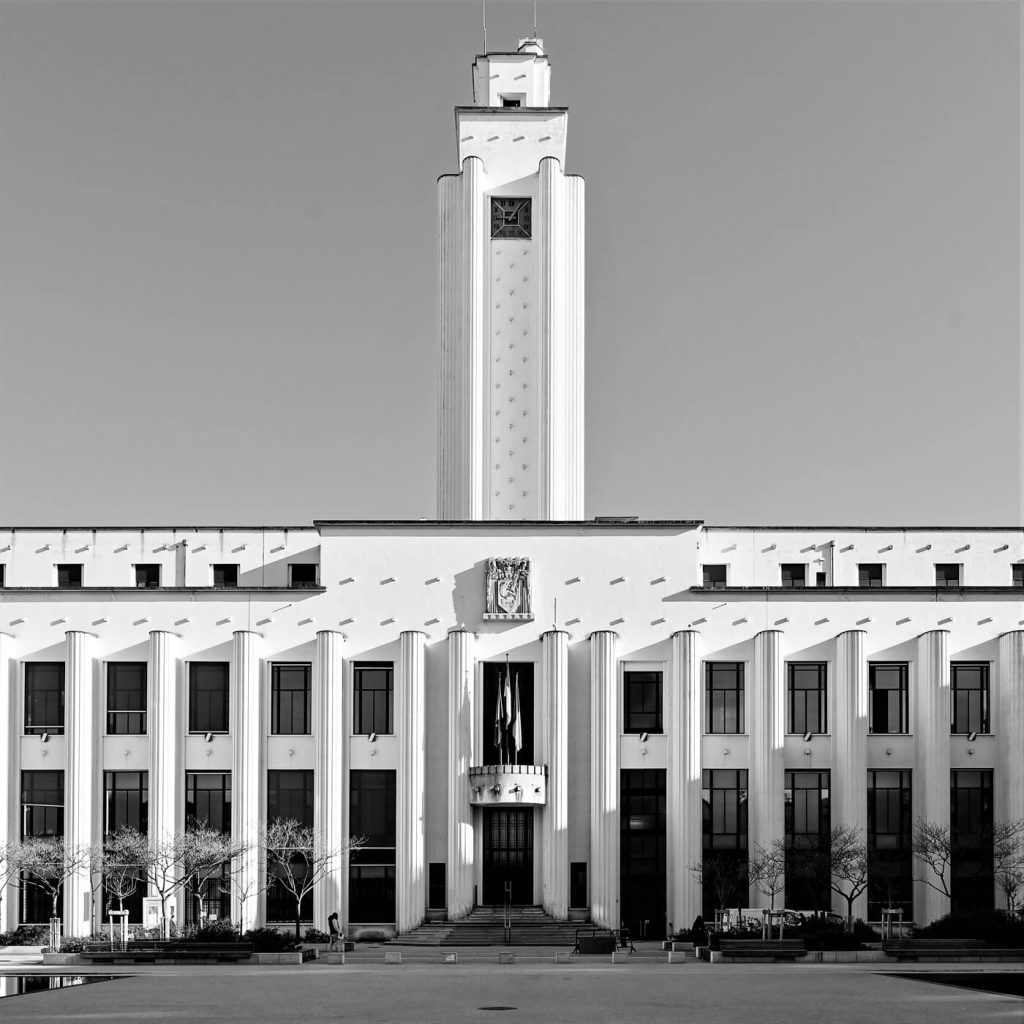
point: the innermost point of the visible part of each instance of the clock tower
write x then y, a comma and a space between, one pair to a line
511, 302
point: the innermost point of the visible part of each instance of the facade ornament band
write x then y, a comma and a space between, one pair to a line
508, 590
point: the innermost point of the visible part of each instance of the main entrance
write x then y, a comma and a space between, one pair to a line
508, 855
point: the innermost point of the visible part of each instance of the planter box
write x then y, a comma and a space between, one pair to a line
846, 956
300, 956
21, 950
62, 959
332, 958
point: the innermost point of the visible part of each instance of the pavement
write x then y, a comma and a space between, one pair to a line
588, 991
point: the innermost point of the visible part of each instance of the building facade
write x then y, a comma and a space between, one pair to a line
512, 702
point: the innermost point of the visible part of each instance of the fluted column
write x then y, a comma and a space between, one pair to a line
8, 773
246, 742
849, 726
767, 729
931, 756
1008, 725
555, 816
461, 724
164, 727
331, 740
81, 727
410, 725
685, 810
604, 780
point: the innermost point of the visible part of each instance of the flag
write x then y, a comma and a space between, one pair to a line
505, 700
499, 723
516, 724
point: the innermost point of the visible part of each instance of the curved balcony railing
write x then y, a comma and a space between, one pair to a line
508, 785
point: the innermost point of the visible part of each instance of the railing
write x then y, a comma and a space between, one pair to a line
118, 725
508, 914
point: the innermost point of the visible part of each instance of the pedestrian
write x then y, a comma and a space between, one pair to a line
332, 927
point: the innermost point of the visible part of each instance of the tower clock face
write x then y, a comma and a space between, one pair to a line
510, 218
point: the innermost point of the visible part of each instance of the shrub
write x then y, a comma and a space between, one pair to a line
315, 935
221, 930
26, 935
269, 940
995, 926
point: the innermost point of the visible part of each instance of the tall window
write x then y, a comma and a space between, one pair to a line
890, 860
724, 838
44, 698
972, 884
808, 825
289, 795
793, 575
869, 574
723, 696
887, 698
372, 867
642, 849
224, 575
42, 814
208, 696
714, 577
208, 799
374, 685
642, 703
147, 576
302, 574
947, 575
289, 700
969, 686
69, 577
808, 698
125, 801
126, 698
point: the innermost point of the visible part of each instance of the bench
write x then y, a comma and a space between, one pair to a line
594, 940
947, 949
762, 949
142, 951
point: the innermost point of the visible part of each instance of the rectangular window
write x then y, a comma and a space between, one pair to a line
723, 696
290, 699
887, 698
724, 838
373, 688
890, 876
970, 697
947, 575
971, 817
714, 577
643, 851
808, 698
821, 579
126, 698
808, 824
44, 698
372, 867
642, 703
1017, 579
225, 576
302, 574
69, 577
869, 574
42, 803
794, 576
578, 884
506, 102
208, 800
3, 574
437, 886
147, 576
290, 795
125, 801
208, 696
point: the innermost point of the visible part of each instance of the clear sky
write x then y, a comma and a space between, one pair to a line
218, 249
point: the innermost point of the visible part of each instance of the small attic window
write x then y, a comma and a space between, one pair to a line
507, 101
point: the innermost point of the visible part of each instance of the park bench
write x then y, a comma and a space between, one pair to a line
763, 949
151, 951
594, 940
948, 949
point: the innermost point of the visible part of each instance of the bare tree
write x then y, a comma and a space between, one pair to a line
725, 874
1008, 859
49, 861
124, 862
10, 866
933, 846
847, 866
201, 853
768, 870
299, 858
161, 872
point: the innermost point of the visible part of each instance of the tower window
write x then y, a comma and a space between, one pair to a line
510, 218
1018, 575
794, 575
302, 574
947, 575
69, 577
507, 101
714, 577
869, 574
224, 575
147, 576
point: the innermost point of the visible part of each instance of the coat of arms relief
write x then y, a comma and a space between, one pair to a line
508, 589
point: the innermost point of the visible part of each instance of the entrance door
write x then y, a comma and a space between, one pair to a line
508, 855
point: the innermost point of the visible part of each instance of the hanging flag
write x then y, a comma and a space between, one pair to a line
499, 724
506, 710
516, 725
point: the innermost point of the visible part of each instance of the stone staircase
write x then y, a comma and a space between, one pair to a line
484, 926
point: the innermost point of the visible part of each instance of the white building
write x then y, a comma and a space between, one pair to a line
687, 691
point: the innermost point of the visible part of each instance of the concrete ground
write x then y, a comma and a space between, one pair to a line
591, 991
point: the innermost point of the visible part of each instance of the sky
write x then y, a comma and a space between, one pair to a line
218, 256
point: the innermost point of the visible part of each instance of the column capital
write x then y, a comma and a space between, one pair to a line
460, 629
607, 632
332, 632
685, 632
762, 632
164, 632
927, 632
1012, 632
406, 632
246, 632
553, 632
80, 632
843, 632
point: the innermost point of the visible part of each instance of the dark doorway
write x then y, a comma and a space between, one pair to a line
508, 855
643, 882
521, 673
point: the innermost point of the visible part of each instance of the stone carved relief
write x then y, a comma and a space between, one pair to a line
508, 594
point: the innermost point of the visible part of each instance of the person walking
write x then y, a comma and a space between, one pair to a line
332, 927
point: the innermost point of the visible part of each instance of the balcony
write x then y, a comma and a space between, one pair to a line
508, 785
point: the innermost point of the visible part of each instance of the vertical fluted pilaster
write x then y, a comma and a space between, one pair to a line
164, 727
81, 728
685, 809
329, 780
461, 724
570, 402
9, 761
767, 729
931, 756
412, 746
1008, 725
849, 727
555, 816
246, 742
604, 780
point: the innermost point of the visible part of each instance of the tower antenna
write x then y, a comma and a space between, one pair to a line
534, 19
483, 11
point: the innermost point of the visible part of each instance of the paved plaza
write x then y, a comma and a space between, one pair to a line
588, 993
